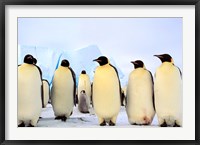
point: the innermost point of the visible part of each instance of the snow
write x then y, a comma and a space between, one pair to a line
81, 120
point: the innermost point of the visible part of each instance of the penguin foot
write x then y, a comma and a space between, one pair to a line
64, 118
85, 112
71, 113
103, 123
176, 125
21, 125
164, 124
136, 124
111, 123
145, 124
58, 117
40, 117
30, 125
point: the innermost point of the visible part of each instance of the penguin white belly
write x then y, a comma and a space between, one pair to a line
84, 84
29, 94
62, 92
140, 97
168, 95
106, 97
45, 92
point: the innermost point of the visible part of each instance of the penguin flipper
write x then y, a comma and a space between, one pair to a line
39, 71
153, 97
42, 93
180, 71
120, 92
92, 94
74, 79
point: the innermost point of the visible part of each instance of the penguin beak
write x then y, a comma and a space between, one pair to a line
159, 56
97, 60
133, 62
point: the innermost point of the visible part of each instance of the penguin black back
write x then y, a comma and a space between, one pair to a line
120, 92
74, 79
153, 97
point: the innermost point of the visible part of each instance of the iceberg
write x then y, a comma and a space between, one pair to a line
80, 59
47, 59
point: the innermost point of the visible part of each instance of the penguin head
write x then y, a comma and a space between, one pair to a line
34, 61
29, 59
138, 64
83, 72
102, 60
65, 63
165, 58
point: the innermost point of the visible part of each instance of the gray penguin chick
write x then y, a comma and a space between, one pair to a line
82, 103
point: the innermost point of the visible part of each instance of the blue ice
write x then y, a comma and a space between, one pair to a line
49, 59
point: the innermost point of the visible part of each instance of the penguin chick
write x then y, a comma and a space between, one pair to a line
168, 92
106, 92
140, 99
83, 106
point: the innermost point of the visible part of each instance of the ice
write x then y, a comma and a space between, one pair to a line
78, 119
80, 59
47, 59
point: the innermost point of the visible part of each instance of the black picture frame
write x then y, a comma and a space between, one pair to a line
3, 4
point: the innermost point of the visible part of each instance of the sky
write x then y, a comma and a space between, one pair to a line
123, 39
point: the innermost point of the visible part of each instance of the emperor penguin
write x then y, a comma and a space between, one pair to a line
84, 84
46, 91
63, 91
106, 92
29, 93
140, 95
168, 92
83, 105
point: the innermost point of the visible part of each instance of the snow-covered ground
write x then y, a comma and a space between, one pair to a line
78, 119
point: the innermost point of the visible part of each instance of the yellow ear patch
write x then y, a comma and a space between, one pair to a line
172, 61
